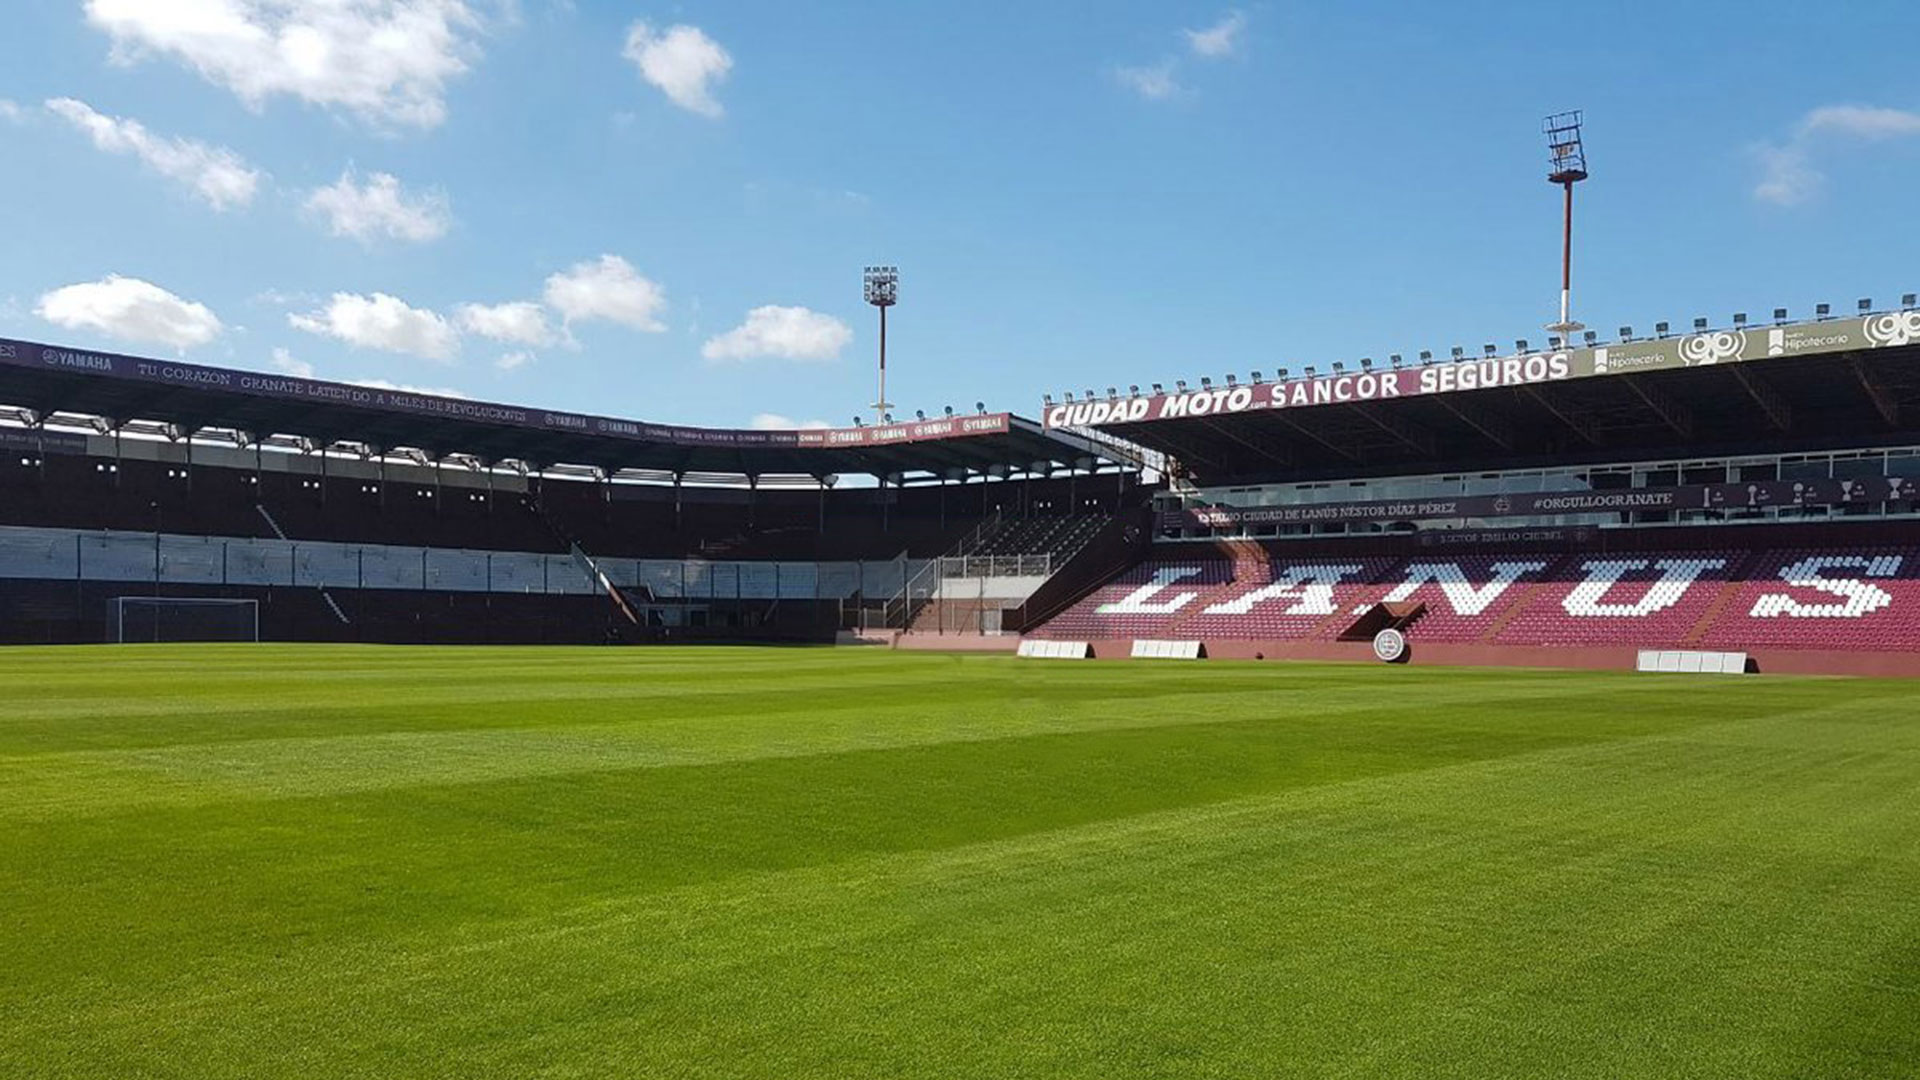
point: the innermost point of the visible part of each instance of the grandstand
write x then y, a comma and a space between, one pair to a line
1751, 489
355, 514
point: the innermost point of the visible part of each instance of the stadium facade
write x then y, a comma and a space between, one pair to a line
1751, 490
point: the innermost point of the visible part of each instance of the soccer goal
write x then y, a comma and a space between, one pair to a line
182, 618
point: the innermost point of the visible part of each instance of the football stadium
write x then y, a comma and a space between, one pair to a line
1541, 708
1446, 717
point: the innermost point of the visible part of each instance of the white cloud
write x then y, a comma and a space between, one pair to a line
404, 388
1786, 176
380, 207
521, 322
382, 322
1861, 122
285, 363
12, 112
282, 298
768, 421
790, 333
1790, 172
132, 310
683, 62
607, 288
1220, 39
514, 361
218, 176
387, 61
1155, 82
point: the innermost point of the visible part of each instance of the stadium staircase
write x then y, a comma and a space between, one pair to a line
1251, 568
1528, 593
900, 610
1001, 547
333, 605
616, 597
1722, 600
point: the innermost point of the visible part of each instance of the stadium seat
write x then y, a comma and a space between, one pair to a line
1652, 598
1829, 598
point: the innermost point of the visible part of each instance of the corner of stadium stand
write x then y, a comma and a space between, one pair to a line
1753, 491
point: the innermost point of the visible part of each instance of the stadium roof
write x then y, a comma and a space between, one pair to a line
1830, 383
192, 397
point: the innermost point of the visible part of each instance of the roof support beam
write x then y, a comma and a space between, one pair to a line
1418, 438
1579, 424
1183, 451
1883, 401
1276, 455
1348, 454
1479, 419
1779, 414
1676, 416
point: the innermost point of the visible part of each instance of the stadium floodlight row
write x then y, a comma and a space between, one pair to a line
1837, 381
112, 388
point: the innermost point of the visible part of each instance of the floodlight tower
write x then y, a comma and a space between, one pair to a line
1567, 166
883, 291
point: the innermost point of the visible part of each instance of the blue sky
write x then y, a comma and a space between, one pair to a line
662, 211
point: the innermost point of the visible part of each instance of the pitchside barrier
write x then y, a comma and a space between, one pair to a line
1691, 662
1056, 650
174, 559
1169, 650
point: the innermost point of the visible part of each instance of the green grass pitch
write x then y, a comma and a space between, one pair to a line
314, 861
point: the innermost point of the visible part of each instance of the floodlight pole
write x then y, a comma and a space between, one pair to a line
1566, 260
882, 289
1568, 166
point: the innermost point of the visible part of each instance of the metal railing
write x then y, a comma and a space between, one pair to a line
898, 612
974, 566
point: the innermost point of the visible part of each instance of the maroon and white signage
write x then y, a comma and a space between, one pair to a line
1661, 593
1325, 390
1892, 329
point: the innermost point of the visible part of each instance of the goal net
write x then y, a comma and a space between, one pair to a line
182, 618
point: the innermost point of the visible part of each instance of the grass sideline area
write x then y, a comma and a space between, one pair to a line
262, 861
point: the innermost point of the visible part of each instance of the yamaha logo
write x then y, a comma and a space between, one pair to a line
1390, 646
1711, 348
1893, 328
1502, 505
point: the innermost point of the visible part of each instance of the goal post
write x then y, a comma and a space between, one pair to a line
182, 618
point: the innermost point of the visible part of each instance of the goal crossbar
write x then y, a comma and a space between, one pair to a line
183, 618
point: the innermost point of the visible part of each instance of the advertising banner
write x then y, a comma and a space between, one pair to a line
1556, 536
1693, 350
1752, 495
